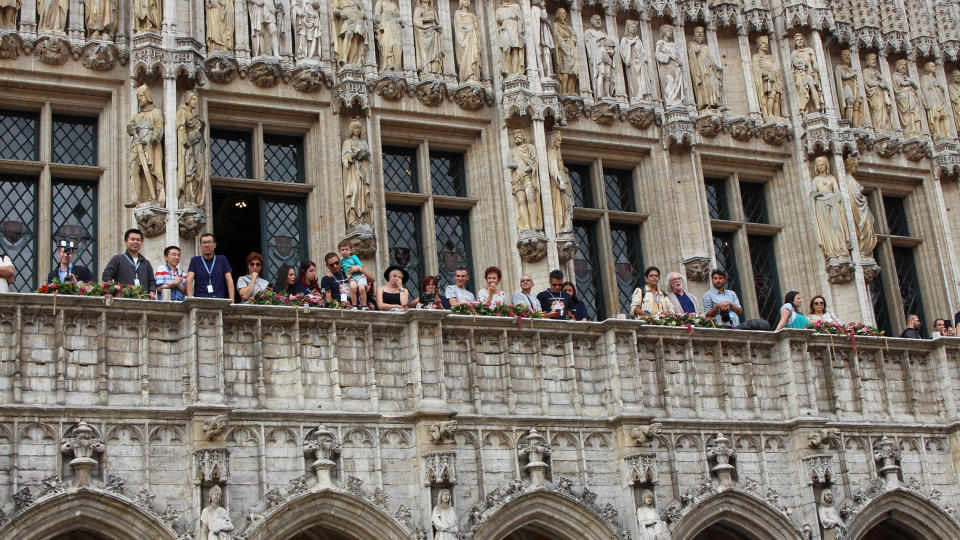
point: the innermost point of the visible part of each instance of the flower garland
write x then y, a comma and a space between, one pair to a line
840, 329
110, 288
672, 319
519, 311
271, 298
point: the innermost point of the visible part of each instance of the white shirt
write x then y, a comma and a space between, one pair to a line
5, 261
498, 299
452, 291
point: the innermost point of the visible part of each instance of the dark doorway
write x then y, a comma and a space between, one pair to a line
321, 533
530, 533
236, 222
720, 532
79, 535
887, 530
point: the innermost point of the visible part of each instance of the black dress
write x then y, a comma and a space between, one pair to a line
391, 298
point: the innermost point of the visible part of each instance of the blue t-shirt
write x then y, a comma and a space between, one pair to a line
548, 299
205, 273
686, 303
579, 311
348, 263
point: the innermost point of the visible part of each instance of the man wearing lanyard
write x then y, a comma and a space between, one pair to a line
523, 296
209, 275
554, 301
335, 282
66, 271
131, 267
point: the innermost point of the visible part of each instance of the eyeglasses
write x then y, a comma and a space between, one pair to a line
331, 265
819, 303
255, 264
207, 243
523, 280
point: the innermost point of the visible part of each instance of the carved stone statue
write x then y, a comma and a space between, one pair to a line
601, 50
467, 44
51, 16
848, 91
220, 24
348, 17
935, 102
648, 520
191, 151
560, 188
266, 18
955, 95
542, 37
644, 434
567, 57
860, 205
307, 24
878, 94
8, 14
831, 223
806, 78
355, 159
511, 36
706, 73
83, 442
428, 36
768, 82
147, 15
442, 432
525, 185
389, 27
214, 523
830, 520
146, 151
908, 100
444, 518
100, 17
670, 67
635, 61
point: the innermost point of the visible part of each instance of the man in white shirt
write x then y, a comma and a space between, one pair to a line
458, 293
523, 296
7, 273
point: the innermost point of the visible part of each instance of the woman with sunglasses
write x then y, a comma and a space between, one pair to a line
818, 311
250, 284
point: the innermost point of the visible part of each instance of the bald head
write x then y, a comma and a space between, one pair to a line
526, 283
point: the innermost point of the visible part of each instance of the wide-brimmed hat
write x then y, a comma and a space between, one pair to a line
391, 268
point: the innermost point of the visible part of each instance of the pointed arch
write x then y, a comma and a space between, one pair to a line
88, 510
753, 518
554, 515
908, 511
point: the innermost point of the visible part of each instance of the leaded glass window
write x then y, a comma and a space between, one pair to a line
74, 140
908, 281
717, 198
586, 268
618, 185
447, 174
400, 169
19, 136
896, 216
406, 243
283, 234
754, 202
627, 262
880, 311
18, 229
580, 182
453, 243
765, 280
230, 154
74, 218
726, 259
283, 158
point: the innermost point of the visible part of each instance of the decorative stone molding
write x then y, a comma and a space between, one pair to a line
532, 246
870, 270
840, 270
871, 489
677, 130
214, 426
440, 468
390, 85
818, 137
758, 17
351, 92
643, 469
101, 55
572, 107
221, 68
190, 222
726, 13
775, 133
708, 488
887, 456
534, 447
431, 92
443, 432
471, 97
721, 456
52, 50
709, 125
604, 112
363, 240
10, 45
566, 249
325, 447
917, 149
211, 466
641, 115
946, 161
802, 15
309, 77
644, 434
823, 438
151, 219
742, 129
819, 468
83, 442
697, 268
266, 72
885, 146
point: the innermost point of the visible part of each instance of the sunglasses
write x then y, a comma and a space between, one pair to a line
331, 265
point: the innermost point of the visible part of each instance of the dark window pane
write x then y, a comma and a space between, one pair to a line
283, 158
74, 218
580, 181
19, 136
618, 184
727, 260
717, 198
586, 268
754, 202
282, 235
627, 262
896, 216
400, 169
74, 140
453, 245
406, 243
908, 282
765, 277
18, 229
230, 154
446, 170
880, 311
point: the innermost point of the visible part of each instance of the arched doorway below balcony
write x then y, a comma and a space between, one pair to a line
79, 535
721, 531
887, 530
531, 533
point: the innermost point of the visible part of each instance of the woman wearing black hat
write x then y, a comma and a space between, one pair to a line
392, 296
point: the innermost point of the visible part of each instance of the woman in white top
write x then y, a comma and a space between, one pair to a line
818, 311
252, 283
492, 294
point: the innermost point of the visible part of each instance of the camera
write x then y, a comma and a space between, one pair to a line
725, 316
67, 245
428, 297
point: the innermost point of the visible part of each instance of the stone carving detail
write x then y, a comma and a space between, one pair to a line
355, 160
214, 522
444, 518
567, 55
431, 92
443, 432
860, 205
511, 36
935, 102
887, 456
560, 187
832, 229
947, 162
349, 18
806, 78
211, 465
706, 73
390, 85
642, 115
917, 149
848, 90
742, 129
768, 81
532, 246
878, 95
147, 15
678, 129
221, 69
721, 455
100, 17
99, 55
525, 184
266, 72
428, 36
885, 146
190, 222
872, 488
310, 78
440, 468
191, 152
151, 219
10, 45
830, 521
636, 62
643, 469
954, 92
220, 26
83, 442
823, 438
22, 499
697, 268
266, 27
533, 446
214, 426
471, 97
601, 50
325, 447
709, 125
388, 24
542, 38
146, 152
52, 50
8, 14
906, 91
52, 17
308, 28
819, 136
648, 520
670, 66
819, 468
53, 485
467, 44
644, 434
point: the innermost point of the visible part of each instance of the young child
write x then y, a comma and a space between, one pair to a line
351, 266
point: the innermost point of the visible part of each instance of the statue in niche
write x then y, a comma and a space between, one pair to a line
220, 23
542, 37
567, 57
8, 14
560, 187
524, 183
348, 16
265, 19
635, 61
147, 15
444, 517
860, 205
848, 90
831, 222
51, 16
388, 25
878, 94
511, 38
601, 50
355, 159
214, 523
706, 73
307, 24
768, 82
146, 151
670, 67
830, 520
429, 36
806, 78
100, 17
467, 43
955, 95
935, 102
191, 151
648, 520
908, 101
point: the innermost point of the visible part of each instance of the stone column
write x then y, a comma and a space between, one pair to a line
746, 64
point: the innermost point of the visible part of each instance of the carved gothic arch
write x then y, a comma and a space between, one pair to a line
908, 511
555, 516
100, 512
753, 518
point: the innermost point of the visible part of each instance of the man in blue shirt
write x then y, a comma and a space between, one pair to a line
721, 304
554, 302
209, 275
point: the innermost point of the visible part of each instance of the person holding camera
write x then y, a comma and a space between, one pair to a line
722, 304
430, 297
66, 271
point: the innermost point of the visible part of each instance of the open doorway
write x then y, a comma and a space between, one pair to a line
236, 222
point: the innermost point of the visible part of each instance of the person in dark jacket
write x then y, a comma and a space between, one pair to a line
65, 270
131, 267
913, 327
